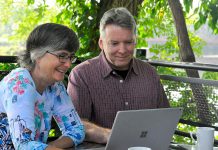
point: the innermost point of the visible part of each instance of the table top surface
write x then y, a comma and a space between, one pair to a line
185, 147
95, 146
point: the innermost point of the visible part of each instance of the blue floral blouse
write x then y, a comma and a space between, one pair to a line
27, 114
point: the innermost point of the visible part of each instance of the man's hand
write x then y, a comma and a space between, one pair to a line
95, 133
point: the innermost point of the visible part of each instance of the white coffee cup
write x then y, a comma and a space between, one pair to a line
205, 138
139, 148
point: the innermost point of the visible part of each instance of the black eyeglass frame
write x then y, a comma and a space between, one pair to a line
63, 59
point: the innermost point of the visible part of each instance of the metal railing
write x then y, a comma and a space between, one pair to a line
176, 79
201, 95
185, 65
182, 65
8, 59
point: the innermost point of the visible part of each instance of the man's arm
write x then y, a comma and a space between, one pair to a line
95, 133
62, 142
79, 92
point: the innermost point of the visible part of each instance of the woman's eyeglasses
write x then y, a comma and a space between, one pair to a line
63, 57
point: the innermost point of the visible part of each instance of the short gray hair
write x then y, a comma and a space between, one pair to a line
47, 37
118, 16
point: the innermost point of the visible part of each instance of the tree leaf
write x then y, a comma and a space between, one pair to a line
197, 25
30, 2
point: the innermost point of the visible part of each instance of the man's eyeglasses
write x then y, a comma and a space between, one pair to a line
63, 57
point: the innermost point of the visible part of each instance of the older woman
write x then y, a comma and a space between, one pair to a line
33, 94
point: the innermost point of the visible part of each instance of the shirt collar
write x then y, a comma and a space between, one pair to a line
106, 68
134, 66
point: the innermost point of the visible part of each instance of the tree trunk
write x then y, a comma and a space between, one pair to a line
131, 5
187, 55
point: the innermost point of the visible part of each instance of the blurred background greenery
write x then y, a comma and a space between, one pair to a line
154, 21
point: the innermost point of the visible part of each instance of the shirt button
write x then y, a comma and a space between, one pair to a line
126, 103
121, 81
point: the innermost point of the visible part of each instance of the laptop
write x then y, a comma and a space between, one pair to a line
151, 128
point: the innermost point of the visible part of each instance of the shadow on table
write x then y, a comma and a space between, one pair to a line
86, 145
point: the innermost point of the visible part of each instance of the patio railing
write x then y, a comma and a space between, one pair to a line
198, 97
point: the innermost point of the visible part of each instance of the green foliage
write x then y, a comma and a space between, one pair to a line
188, 5
180, 94
51, 133
24, 19
5, 68
156, 21
207, 13
17, 20
82, 17
181, 139
30, 2
210, 75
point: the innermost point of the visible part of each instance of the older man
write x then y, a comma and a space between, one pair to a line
114, 80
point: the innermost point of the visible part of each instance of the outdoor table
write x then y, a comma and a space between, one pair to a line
90, 145
185, 147
86, 145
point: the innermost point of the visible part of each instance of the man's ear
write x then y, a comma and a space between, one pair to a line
100, 43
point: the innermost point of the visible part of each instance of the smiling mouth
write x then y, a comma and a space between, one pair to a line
123, 58
61, 71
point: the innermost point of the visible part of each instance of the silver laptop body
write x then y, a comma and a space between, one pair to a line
152, 128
